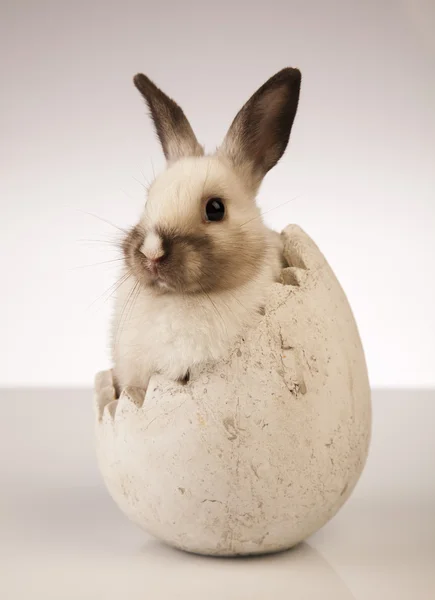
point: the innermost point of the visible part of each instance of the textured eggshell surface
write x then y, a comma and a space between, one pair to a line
260, 450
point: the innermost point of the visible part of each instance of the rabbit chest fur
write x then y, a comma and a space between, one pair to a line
172, 333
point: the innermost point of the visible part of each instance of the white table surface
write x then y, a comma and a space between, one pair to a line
62, 538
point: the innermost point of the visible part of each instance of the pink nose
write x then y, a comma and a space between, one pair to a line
153, 264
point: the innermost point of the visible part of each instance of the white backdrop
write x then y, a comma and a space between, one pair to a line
75, 137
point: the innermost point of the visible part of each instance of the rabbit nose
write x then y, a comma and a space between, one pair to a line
153, 264
152, 248
155, 259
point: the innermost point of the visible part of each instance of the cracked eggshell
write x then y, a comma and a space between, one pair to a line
260, 450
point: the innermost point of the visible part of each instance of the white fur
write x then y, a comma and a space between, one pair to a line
172, 333
174, 197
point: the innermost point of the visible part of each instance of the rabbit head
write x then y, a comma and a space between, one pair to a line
201, 230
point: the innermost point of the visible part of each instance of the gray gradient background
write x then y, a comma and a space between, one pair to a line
75, 137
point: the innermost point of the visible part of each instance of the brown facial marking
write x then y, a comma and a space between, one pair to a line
204, 265
195, 262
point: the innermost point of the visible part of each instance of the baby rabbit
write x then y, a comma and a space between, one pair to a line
198, 264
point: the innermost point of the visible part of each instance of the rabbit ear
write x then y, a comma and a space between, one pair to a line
259, 134
172, 127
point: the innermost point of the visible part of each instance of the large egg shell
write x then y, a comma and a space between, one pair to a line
258, 451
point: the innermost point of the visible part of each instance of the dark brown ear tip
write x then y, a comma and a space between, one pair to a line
288, 77
144, 84
140, 80
292, 74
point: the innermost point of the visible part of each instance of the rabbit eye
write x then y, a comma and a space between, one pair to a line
214, 210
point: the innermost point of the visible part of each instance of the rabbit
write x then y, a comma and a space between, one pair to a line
198, 263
